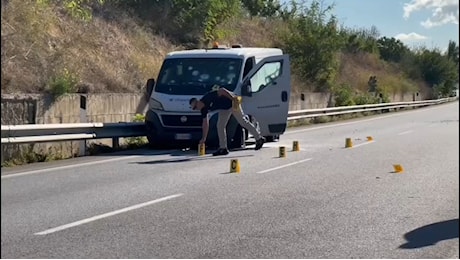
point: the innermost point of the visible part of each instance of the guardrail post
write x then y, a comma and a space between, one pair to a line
83, 119
115, 143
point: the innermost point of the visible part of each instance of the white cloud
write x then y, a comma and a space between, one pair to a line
410, 37
443, 11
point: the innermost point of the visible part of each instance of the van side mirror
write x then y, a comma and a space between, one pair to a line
246, 89
149, 87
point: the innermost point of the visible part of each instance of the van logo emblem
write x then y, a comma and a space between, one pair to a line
183, 119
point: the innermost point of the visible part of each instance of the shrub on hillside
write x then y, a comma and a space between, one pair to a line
64, 83
343, 95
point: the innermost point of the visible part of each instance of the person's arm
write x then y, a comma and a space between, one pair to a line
226, 93
204, 125
205, 128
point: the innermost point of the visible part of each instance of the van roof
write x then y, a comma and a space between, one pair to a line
225, 52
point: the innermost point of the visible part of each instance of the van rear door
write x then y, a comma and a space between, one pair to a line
265, 94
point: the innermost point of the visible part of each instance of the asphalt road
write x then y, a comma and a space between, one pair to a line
324, 201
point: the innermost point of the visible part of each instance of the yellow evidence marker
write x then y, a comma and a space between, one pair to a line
234, 166
295, 146
398, 168
282, 151
348, 143
201, 149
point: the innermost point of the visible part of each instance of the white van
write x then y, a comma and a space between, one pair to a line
261, 76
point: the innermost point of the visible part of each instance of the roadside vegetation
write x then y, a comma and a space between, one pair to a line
87, 46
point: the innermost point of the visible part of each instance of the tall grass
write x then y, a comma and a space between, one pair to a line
114, 52
357, 68
39, 41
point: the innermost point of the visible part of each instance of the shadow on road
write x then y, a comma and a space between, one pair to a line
431, 234
191, 158
104, 150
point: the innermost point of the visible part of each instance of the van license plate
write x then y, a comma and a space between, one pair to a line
183, 137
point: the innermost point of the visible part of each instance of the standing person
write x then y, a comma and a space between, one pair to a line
222, 100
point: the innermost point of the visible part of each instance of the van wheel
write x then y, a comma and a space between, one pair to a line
153, 143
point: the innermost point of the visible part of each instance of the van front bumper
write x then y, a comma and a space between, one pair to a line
169, 129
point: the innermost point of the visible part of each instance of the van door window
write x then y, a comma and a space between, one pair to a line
265, 76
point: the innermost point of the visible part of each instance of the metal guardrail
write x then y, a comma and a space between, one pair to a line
33, 133
330, 111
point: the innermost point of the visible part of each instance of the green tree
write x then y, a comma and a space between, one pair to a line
290, 11
391, 49
362, 40
77, 8
189, 21
438, 70
452, 52
264, 8
410, 66
313, 42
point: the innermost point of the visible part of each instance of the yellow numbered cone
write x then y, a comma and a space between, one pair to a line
234, 166
201, 149
348, 143
282, 151
295, 146
398, 168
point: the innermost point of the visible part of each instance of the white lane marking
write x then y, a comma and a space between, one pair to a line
283, 166
109, 214
406, 132
358, 145
275, 145
80, 164
333, 125
67, 166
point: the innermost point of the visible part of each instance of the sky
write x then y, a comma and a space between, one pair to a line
428, 23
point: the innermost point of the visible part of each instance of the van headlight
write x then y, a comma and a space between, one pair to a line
155, 104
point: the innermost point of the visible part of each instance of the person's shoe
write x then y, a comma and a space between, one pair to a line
221, 151
260, 143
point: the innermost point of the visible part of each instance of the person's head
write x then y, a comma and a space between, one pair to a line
196, 104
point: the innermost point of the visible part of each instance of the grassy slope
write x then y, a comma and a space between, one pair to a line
112, 53
107, 55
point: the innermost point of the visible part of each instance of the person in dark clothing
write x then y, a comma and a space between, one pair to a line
222, 100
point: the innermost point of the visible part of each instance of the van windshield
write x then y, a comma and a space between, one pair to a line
196, 76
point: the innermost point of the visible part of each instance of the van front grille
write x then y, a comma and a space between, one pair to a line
181, 120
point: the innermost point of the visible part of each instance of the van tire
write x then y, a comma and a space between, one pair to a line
153, 142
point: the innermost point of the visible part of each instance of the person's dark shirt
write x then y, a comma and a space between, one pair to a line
212, 101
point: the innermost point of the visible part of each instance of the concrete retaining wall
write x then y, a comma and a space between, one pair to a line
42, 109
